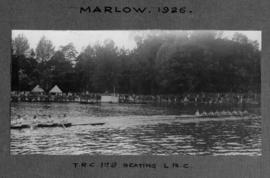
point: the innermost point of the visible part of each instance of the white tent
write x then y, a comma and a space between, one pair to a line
55, 90
37, 89
109, 99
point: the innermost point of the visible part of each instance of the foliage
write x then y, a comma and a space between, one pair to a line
44, 50
20, 45
162, 63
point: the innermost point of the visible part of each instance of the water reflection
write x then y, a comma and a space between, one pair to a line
133, 130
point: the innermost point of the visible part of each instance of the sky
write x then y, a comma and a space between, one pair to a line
80, 39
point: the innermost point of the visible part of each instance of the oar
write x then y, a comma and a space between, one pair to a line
87, 124
63, 125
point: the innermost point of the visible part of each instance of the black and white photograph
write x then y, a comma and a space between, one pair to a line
136, 92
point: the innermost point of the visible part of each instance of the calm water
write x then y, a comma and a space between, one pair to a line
132, 129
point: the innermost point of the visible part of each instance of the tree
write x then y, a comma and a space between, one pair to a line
20, 45
240, 38
162, 63
69, 52
15, 72
23, 72
44, 50
84, 70
60, 70
106, 73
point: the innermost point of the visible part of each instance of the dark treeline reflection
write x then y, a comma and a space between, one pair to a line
162, 63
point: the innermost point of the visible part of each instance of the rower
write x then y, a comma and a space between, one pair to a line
34, 123
19, 119
50, 119
35, 119
64, 118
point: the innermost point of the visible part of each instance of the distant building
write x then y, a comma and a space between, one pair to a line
37, 90
56, 91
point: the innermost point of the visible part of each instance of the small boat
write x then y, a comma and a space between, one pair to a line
213, 115
94, 124
54, 125
51, 125
24, 126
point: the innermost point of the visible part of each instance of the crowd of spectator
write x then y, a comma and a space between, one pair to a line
187, 98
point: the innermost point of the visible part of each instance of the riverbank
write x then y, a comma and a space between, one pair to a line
188, 98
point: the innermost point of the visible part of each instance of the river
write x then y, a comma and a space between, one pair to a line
133, 129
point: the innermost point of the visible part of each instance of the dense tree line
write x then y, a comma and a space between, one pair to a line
162, 63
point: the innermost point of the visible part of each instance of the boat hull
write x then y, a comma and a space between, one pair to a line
24, 126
